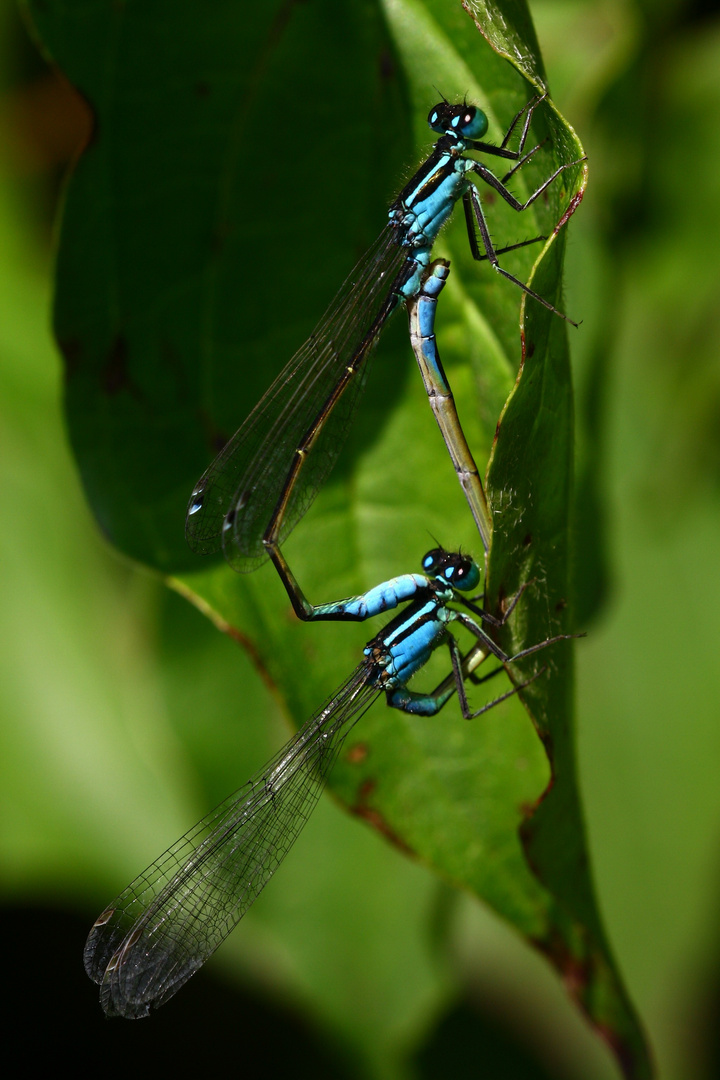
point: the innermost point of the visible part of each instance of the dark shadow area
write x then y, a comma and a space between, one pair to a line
469, 1044
210, 1029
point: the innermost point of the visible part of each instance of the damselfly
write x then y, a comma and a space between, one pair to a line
167, 923
267, 475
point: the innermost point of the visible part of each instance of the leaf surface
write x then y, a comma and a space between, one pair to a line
242, 160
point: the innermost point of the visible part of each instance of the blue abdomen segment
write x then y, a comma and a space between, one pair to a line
426, 308
418, 704
431, 290
381, 598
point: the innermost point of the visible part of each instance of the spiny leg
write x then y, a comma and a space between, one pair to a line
472, 236
502, 150
457, 666
421, 704
529, 108
525, 158
485, 615
476, 206
495, 649
494, 182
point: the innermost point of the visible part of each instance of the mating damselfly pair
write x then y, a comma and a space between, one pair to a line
164, 926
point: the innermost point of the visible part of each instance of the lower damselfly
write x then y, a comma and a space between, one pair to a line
267, 475
171, 918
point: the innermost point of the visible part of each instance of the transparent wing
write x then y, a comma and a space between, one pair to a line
234, 501
168, 921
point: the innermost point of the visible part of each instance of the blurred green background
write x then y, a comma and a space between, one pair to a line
104, 670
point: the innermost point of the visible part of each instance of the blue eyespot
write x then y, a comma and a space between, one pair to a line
434, 560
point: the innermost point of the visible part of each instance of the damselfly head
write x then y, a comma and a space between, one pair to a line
464, 120
452, 568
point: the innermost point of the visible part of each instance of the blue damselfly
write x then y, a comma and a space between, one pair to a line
171, 918
267, 475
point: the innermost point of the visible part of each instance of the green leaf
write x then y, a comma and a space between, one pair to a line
242, 160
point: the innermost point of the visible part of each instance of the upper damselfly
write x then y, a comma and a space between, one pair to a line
267, 475
171, 918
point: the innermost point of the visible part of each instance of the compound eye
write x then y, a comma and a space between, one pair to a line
432, 560
466, 574
438, 117
472, 123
